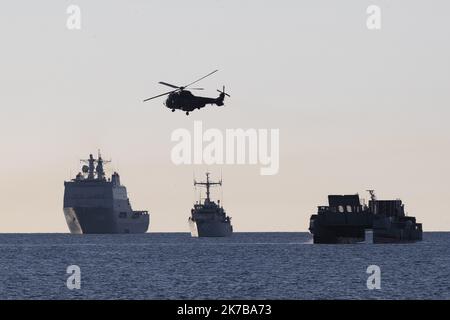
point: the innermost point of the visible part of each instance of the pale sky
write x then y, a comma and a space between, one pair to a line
356, 108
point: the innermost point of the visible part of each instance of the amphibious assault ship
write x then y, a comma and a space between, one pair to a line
209, 219
345, 220
94, 204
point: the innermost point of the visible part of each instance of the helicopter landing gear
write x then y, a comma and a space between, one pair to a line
187, 113
173, 110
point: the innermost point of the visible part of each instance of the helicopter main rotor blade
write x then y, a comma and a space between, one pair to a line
160, 95
190, 84
169, 85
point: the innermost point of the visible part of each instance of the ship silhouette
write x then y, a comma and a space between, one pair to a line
94, 204
209, 219
345, 220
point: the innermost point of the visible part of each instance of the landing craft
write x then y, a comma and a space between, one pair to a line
346, 219
182, 99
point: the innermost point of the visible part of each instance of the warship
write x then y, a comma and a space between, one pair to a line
209, 219
345, 220
94, 204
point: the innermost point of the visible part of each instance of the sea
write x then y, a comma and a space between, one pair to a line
243, 266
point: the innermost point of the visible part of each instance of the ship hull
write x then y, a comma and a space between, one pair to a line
97, 220
338, 235
324, 236
382, 233
387, 230
396, 236
210, 228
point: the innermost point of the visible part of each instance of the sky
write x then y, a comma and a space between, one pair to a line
356, 108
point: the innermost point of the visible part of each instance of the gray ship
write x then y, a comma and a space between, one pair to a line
94, 204
209, 219
345, 220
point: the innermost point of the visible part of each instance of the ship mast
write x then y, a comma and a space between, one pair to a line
91, 166
373, 198
93, 169
207, 184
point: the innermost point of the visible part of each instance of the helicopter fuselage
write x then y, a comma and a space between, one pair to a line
186, 101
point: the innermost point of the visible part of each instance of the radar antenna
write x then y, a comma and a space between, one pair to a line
373, 197
207, 184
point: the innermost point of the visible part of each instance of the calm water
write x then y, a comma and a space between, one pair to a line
245, 266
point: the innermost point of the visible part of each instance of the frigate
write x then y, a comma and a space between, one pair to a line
95, 204
346, 219
209, 219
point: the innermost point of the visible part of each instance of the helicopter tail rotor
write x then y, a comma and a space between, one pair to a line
221, 98
223, 92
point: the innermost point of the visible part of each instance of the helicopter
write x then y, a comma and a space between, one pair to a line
184, 100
